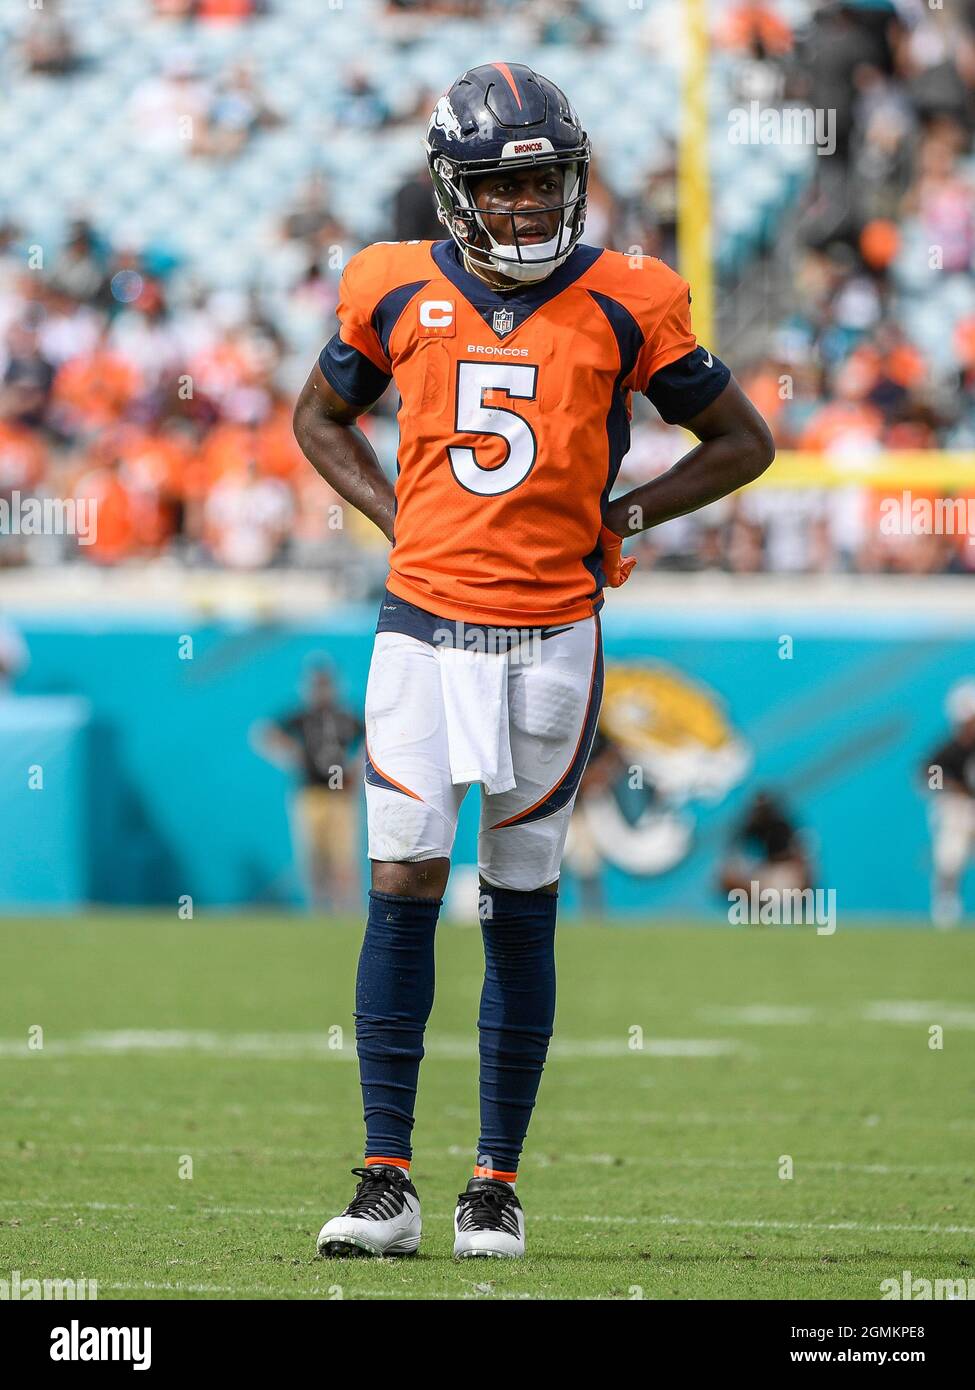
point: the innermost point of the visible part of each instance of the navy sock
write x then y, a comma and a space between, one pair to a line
393, 998
516, 1017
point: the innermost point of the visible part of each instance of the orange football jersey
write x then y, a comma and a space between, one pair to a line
514, 415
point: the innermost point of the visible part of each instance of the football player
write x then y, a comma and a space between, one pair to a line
515, 349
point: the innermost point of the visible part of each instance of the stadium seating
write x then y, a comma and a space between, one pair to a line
73, 145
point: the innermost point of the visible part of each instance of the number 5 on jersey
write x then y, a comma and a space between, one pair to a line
472, 416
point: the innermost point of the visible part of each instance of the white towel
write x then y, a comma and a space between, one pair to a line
475, 702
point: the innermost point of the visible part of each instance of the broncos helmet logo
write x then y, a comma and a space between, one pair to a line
445, 119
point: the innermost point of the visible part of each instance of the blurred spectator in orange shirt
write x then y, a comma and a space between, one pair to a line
152, 467
93, 391
764, 386
114, 536
225, 9
739, 28
843, 425
23, 457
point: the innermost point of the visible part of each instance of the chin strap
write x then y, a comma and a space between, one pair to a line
488, 274
534, 262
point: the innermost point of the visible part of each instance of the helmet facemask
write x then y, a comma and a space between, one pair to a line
464, 221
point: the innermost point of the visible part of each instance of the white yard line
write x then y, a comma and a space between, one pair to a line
921, 1012
265, 1291
767, 1014
349, 1293
603, 1218
857, 1226
289, 1046
769, 1165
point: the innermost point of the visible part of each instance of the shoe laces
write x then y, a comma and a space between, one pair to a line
379, 1195
488, 1208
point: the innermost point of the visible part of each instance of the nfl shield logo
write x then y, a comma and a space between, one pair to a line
503, 322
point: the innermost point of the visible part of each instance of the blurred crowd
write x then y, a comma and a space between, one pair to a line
170, 415
125, 378
875, 349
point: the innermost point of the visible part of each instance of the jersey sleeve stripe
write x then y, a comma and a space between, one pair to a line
629, 342
626, 330
389, 310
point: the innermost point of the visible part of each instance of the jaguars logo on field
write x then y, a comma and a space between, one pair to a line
675, 728
673, 744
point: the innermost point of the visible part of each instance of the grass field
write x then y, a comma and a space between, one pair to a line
650, 1171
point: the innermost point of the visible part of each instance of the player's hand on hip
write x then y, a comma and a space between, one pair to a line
616, 569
